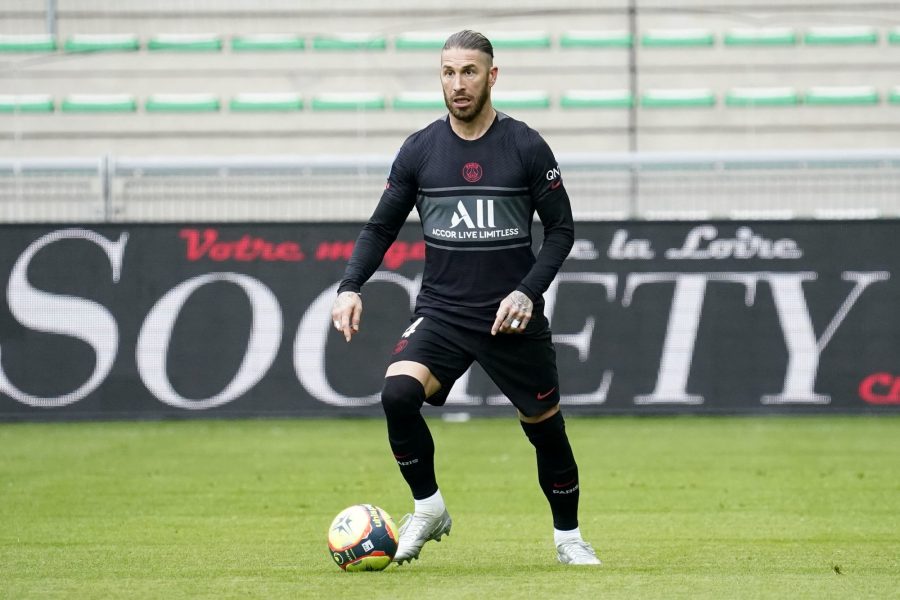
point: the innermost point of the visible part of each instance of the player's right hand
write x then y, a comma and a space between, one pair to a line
346, 313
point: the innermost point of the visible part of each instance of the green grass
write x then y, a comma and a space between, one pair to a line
677, 507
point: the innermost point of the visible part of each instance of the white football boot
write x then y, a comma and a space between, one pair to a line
417, 529
576, 552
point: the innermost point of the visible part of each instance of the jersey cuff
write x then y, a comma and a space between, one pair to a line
348, 287
531, 295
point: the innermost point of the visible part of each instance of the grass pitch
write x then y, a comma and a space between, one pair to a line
677, 507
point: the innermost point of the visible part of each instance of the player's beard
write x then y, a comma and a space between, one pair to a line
470, 112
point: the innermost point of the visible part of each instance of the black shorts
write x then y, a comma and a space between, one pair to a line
522, 365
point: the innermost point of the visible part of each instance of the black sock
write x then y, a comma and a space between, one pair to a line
557, 471
408, 434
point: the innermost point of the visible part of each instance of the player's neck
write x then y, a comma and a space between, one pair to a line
477, 127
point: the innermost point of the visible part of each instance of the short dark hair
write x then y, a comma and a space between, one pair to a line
469, 40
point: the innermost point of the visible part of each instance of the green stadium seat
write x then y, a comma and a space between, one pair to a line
608, 38
677, 38
842, 95
266, 102
185, 42
419, 101
421, 40
37, 42
192, 103
26, 103
596, 99
894, 95
761, 36
98, 103
519, 40
102, 42
520, 100
894, 35
348, 101
678, 98
268, 42
841, 36
762, 96
350, 41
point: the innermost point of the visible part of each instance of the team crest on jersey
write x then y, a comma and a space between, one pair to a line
472, 172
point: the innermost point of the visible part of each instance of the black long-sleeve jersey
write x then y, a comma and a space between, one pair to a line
476, 200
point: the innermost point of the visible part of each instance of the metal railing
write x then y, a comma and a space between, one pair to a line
727, 185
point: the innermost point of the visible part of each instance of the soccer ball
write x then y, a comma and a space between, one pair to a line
362, 537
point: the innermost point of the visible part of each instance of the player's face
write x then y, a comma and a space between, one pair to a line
466, 77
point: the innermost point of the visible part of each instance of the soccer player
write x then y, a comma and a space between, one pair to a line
476, 177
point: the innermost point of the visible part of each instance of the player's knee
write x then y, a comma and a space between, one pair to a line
402, 395
549, 431
551, 443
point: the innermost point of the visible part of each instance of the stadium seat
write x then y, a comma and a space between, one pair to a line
519, 40
841, 36
894, 35
678, 98
520, 99
680, 38
185, 42
350, 41
37, 42
508, 40
762, 96
348, 101
262, 102
760, 36
596, 99
192, 103
842, 95
102, 42
98, 103
894, 95
419, 101
26, 103
268, 42
608, 38
421, 40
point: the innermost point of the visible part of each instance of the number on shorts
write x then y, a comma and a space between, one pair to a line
412, 328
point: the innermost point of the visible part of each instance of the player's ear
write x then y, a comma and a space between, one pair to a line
492, 75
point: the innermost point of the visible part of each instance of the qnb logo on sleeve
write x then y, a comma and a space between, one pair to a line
482, 208
554, 176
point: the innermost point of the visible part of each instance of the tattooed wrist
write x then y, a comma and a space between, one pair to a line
521, 301
347, 297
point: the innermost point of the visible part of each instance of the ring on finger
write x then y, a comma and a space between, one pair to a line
515, 323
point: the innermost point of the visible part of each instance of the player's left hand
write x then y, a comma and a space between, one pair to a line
513, 314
